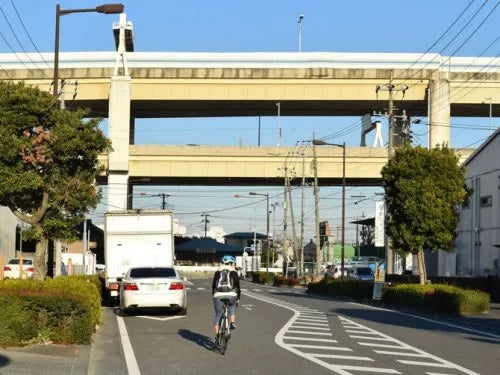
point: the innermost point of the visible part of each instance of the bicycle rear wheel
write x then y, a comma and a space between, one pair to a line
223, 339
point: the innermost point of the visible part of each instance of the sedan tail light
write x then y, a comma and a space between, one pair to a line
7, 268
176, 286
29, 269
130, 286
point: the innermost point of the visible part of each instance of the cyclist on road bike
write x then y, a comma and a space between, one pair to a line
226, 285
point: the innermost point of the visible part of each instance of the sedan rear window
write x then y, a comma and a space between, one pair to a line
28, 262
364, 271
152, 272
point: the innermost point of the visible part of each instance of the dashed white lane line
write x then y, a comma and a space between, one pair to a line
131, 362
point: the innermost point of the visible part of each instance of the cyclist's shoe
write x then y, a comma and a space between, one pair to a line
232, 325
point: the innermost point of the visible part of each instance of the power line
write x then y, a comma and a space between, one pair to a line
28, 34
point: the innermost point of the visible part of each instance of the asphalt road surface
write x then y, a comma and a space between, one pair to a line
286, 331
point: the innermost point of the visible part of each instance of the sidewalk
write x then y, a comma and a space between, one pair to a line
104, 356
45, 360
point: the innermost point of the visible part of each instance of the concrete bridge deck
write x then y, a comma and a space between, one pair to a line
217, 165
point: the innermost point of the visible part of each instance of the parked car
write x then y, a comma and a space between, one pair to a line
11, 269
363, 273
146, 287
333, 270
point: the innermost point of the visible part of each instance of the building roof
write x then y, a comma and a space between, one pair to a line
258, 235
206, 245
478, 150
370, 221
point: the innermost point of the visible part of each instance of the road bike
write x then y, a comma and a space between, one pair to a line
224, 329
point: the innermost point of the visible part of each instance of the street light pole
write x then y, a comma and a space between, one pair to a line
319, 142
106, 9
301, 17
267, 224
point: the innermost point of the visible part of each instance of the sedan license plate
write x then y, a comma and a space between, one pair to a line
152, 288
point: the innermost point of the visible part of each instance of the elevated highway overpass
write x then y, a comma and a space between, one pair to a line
250, 84
170, 84
219, 165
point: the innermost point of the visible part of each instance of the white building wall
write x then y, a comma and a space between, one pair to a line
479, 227
8, 223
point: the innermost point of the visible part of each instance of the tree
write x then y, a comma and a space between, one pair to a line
48, 164
367, 234
423, 188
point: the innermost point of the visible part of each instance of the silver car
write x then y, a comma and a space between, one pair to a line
363, 273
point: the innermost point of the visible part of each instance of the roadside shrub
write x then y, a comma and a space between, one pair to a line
410, 295
342, 288
437, 298
62, 310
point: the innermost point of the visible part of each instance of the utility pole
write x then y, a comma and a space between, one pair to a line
278, 129
164, 201
274, 205
294, 232
206, 221
285, 214
316, 210
391, 88
302, 216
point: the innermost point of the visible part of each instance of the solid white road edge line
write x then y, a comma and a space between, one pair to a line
132, 367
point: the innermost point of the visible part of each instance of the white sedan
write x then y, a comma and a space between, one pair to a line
12, 269
145, 287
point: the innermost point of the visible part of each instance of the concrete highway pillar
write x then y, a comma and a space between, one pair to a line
439, 130
119, 134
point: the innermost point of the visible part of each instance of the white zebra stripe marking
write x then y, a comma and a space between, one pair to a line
309, 339
438, 362
338, 356
280, 338
310, 333
294, 326
338, 348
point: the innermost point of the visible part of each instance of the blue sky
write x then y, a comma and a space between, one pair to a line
262, 26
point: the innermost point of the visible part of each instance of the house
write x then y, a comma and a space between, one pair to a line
478, 240
244, 239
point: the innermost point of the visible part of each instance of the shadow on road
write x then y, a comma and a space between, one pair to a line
201, 340
4, 361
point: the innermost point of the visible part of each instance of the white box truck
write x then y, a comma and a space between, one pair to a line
134, 239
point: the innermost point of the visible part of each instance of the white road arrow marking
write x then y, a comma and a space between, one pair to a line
248, 307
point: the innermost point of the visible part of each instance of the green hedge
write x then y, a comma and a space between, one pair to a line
262, 277
437, 298
343, 288
64, 310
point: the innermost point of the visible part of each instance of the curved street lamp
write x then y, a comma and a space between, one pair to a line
319, 142
105, 9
